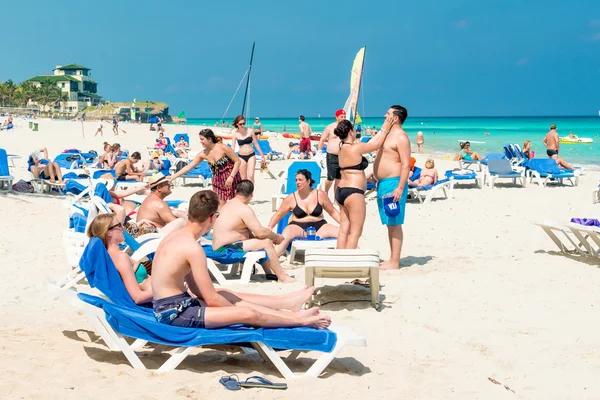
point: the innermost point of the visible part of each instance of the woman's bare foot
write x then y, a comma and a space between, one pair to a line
52, 180
286, 279
318, 321
389, 265
311, 312
297, 299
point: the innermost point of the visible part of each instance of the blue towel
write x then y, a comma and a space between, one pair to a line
73, 187
229, 256
77, 221
174, 203
66, 160
138, 324
545, 166
101, 273
4, 171
101, 191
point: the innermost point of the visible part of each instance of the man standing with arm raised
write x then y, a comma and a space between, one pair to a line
333, 147
391, 169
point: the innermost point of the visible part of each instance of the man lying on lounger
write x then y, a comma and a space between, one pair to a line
155, 212
185, 296
240, 230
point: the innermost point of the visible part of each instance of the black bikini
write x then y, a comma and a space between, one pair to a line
342, 193
242, 142
300, 213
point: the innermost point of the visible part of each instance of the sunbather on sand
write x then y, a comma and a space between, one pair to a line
304, 199
240, 230
185, 296
109, 229
428, 176
126, 169
43, 168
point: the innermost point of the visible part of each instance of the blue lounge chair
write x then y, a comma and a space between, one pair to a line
426, 193
461, 176
546, 169
201, 171
118, 316
301, 243
5, 177
185, 136
503, 169
290, 181
492, 156
266, 149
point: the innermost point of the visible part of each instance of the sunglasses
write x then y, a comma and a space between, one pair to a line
217, 214
241, 123
119, 225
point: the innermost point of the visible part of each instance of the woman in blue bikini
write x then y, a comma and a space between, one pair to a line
351, 190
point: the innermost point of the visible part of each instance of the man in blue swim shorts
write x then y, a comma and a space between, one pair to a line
391, 169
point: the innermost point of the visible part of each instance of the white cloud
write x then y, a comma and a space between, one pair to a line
462, 24
522, 62
595, 37
595, 23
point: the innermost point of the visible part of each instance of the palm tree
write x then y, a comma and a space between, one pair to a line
9, 91
46, 93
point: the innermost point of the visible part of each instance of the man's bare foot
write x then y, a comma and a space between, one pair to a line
287, 279
311, 312
389, 265
297, 299
318, 321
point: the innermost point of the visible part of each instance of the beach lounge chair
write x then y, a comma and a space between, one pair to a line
426, 193
118, 317
201, 171
289, 186
546, 170
463, 175
502, 169
596, 195
578, 239
265, 147
303, 244
480, 163
344, 264
5, 177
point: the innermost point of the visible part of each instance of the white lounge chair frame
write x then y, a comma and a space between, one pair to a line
344, 264
580, 239
425, 196
543, 181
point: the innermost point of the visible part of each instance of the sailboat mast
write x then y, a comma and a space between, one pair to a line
248, 81
359, 86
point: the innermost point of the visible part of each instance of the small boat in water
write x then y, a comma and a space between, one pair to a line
575, 140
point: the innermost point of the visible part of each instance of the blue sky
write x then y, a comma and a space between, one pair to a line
437, 58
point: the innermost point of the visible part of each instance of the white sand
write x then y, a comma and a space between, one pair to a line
483, 294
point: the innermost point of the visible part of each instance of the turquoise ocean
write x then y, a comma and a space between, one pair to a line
442, 134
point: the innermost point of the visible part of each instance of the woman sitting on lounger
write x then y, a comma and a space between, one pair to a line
351, 190
109, 229
429, 175
43, 168
466, 153
304, 199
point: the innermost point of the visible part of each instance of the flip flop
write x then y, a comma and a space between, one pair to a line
271, 277
262, 383
230, 382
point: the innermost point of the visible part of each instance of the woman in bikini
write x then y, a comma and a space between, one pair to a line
257, 128
109, 229
466, 153
244, 138
223, 163
352, 186
429, 175
161, 143
304, 199
43, 168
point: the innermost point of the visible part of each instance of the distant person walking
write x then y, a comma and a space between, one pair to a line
257, 127
115, 126
420, 141
333, 148
99, 130
391, 168
552, 143
305, 132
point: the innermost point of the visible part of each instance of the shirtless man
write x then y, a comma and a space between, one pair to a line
333, 147
154, 209
552, 143
180, 261
305, 132
126, 169
239, 229
391, 168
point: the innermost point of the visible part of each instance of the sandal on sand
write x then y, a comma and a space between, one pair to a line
230, 382
260, 382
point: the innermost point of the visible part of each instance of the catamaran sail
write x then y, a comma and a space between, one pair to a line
355, 81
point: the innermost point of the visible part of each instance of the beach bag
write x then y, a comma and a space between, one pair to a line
586, 221
23, 187
180, 165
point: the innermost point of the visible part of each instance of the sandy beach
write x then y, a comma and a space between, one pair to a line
483, 295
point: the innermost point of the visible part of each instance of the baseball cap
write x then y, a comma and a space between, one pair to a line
390, 206
340, 112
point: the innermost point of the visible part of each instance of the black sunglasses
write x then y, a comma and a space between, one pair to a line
119, 225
